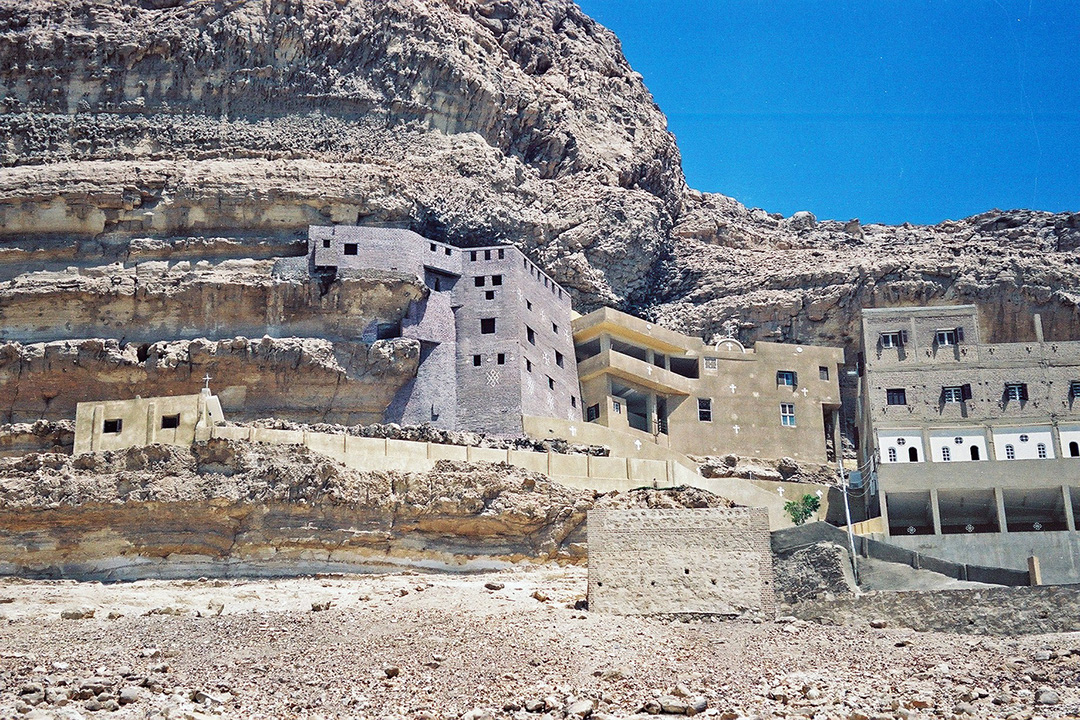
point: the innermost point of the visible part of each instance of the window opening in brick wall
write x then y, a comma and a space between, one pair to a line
946, 338
710, 363
479, 280
170, 422
554, 328
951, 394
447, 251
896, 396
472, 256
487, 326
432, 247
489, 294
476, 360
530, 335
551, 384
913, 454
573, 401
496, 279
1016, 391
559, 360
351, 249
326, 242
787, 414
823, 372
113, 426
487, 254
592, 413
974, 452
500, 359
704, 409
502, 254
528, 304
528, 365
890, 339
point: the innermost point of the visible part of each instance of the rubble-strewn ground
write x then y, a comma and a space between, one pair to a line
434, 646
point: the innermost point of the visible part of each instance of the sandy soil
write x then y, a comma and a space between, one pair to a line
448, 646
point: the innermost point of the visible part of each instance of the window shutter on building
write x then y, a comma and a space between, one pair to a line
959, 334
965, 391
941, 397
903, 338
794, 379
1023, 392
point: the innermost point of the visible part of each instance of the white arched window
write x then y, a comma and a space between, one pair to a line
1041, 448
1010, 452
892, 454
945, 454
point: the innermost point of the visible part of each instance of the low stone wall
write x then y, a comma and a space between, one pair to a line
710, 561
986, 611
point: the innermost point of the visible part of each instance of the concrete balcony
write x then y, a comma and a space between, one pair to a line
636, 371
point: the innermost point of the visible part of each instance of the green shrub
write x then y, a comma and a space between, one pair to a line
802, 509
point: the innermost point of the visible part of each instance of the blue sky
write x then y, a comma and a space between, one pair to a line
885, 110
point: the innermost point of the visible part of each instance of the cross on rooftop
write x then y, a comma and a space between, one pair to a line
207, 380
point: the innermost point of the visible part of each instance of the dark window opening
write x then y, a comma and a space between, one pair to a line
502, 254
113, 426
559, 358
975, 452
913, 454
528, 365
496, 279
551, 384
592, 413
500, 359
530, 335
554, 328
528, 304
352, 249
1016, 391
170, 422
687, 367
487, 326
823, 372
326, 242
896, 396
704, 409
385, 331
476, 360
447, 251
479, 280
432, 247
487, 254
489, 295
573, 401
1074, 449
472, 256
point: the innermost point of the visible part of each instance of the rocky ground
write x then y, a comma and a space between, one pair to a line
501, 645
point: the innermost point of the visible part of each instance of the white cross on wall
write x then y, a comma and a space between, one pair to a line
780, 490
735, 428
207, 380
728, 346
732, 386
573, 431
637, 444
804, 391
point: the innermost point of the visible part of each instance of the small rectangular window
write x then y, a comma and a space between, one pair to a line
487, 254
472, 256
1016, 391
489, 295
823, 372
896, 396
551, 384
704, 409
479, 280
786, 378
787, 414
502, 254
113, 426
170, 422
616, 407
496, 279
946, 338
890, 339
573, 401
710, 363
559, 360
530, 335
952, 394
432, 247
446, 251
500, 359
487, 326
528, 304
592, 413
528, 365
1074, 389
352, 249
554, 328
326, 242
476, 360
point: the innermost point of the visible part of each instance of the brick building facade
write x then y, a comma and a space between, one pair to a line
494, 330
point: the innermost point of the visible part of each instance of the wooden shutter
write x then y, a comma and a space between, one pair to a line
965, 391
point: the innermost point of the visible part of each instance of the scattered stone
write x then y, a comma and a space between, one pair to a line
878, 623
215, 607
129, 694
81, 613
321, 606
581, 708
1046, 696
1042, 655
478, 714
535, 705
673, 705
392, 671
494, 585
540, 596
965, 708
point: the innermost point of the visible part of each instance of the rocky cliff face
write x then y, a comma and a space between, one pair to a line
171, 131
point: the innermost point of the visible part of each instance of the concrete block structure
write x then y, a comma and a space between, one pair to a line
119, 424
973, 447
494, 331
770, 401
713, 560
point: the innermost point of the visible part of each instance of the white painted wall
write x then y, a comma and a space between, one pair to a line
1069, 433
958, 451
1024, 450
892, 439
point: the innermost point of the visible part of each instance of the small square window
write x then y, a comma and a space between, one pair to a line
704, 409
487, 326
502, 254
500, 359
446, 251
551, 384
786, 378
823, 372
896, 396
710, 363
489, 295
496, 279
554, 328
476, 360
352, 249
946, 338
559, 360
1016, 391
592, 413
530, 335
479, 280
952, 394
487, 254
432, 247
890, 340
113, 426
326, 242
787, 414
170, 422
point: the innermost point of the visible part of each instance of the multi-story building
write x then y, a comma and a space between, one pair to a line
769, 401
494, 331
971, 438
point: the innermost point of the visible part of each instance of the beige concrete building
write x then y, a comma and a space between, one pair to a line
770, 401
972, 447
119, 424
